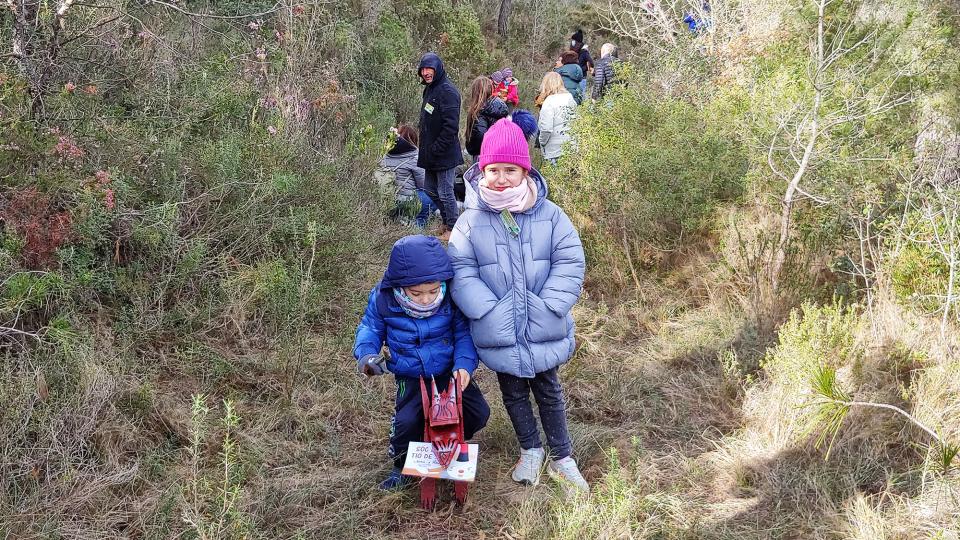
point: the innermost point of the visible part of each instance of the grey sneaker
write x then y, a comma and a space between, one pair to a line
566, 471
527, 469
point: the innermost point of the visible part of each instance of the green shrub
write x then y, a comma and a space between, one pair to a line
211, 504
813, 335
919, 272
463, 47
387, 73
452, 30
645, 169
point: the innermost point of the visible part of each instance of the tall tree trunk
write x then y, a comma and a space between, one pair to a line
786, 204
503, 20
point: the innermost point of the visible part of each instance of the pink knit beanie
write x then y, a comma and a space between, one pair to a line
505, 143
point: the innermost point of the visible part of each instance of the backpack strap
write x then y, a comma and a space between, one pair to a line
395, 169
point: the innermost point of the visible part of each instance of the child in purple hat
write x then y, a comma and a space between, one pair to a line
506, 87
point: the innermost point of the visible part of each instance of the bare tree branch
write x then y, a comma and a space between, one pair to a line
888, 407
210, 16
5, 330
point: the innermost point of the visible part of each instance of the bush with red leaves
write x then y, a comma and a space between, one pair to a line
43, 228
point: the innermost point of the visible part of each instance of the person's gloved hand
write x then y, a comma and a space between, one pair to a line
371, 365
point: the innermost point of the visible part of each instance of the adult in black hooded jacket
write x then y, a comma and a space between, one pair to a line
440, 152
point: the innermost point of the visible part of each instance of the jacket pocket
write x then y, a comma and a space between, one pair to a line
441, 355
497, 328
544, 325
495, 280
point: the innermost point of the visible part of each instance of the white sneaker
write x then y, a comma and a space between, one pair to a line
566, 471
527, 469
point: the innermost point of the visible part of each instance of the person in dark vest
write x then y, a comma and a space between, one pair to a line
584, 60
440, 152
483, 111
604, 74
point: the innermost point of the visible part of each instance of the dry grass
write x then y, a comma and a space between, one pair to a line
676, 431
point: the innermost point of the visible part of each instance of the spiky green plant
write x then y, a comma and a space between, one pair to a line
833, 403
945, 454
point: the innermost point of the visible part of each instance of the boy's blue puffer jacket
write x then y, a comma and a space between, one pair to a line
432, 346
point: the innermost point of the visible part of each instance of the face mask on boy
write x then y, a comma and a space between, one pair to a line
416, 309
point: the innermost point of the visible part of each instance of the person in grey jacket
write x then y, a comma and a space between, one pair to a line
413, 201
518, 270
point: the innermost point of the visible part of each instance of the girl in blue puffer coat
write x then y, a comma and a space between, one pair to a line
411, 312
518, 270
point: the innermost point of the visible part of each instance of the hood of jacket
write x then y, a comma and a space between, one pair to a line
563, 99
570, 71
417, 259
472, 179
431, 60
402, 146
394, 161
526, 121
495, 108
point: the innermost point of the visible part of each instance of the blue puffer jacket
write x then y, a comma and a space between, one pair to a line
517, 292
434, 345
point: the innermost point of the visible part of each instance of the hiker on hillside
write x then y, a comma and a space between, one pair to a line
698, 21
483, 110
569, 69
440, 152
411, 312
506, 87
518, 270
413, 202
556, 115
604, 73
584, 60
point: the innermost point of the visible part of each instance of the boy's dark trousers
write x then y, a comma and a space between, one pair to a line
549, 395
408, 418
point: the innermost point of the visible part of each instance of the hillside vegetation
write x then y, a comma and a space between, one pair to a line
189, 226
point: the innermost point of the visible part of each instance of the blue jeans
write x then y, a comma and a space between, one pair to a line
583, 87
427, 208
439, 186
553, 415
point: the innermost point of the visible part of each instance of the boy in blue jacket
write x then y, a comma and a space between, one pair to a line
411, 312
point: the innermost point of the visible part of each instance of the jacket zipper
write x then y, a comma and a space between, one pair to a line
522, 332
419, 345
